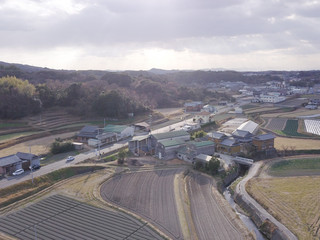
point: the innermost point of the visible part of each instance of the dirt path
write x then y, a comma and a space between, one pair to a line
38, 146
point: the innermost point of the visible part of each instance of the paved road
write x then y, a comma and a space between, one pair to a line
246, 197
11, 180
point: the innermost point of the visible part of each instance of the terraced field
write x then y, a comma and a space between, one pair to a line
276, 124
210, 221
59, 217
291, 197
148, 194
152, 195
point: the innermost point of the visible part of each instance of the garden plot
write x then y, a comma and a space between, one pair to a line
276, 124
312, 126
148, 194
59, 217
209, 219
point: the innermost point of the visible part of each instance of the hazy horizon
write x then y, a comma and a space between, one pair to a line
117, 35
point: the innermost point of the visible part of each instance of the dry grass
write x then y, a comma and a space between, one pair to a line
294, 201
262, 109
38, 146
299, 144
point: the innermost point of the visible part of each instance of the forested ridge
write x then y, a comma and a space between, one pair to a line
27, 90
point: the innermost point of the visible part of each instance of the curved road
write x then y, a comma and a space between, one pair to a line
241, 189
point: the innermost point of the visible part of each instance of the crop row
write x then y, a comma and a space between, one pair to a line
148, 194
208, 217
58, 217
276, 124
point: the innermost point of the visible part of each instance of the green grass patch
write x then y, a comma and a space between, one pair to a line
296, 167
25, 189
291, 129
248, 106
12, 125
51, 158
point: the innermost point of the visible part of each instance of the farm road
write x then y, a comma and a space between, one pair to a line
241, 189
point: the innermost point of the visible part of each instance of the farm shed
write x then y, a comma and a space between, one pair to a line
121, 131
190, 150
174, 135
107, 137
140, 144
9, 164
166, 149
203, 158
77, 146
142, 126
249, 126
28, 160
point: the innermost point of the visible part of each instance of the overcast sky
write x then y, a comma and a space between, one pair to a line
167, 34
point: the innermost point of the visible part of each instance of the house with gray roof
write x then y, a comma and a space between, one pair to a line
191, 149
9, 164
28, 159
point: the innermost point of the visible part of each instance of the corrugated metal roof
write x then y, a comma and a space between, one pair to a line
179, 133
171, 143
115, 128
26, 156
249, 126
204, 157
139, 138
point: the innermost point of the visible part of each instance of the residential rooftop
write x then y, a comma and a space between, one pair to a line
168, 135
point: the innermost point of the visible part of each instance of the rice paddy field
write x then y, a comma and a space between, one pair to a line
292, 196
298, 144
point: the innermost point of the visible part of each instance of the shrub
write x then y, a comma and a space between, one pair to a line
61, 147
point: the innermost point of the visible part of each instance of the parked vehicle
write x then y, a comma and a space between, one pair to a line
34, 167
18, 172
70, 158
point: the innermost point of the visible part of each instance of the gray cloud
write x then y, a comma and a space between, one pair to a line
205, 26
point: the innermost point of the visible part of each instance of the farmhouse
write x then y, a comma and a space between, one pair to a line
202, 117
28, 159
264, 142
229, 146
17, 161
193, 106
88, 132
95, 134
242, 136
9, 164
121, 131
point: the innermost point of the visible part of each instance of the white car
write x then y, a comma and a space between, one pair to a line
70, 158
18, 172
